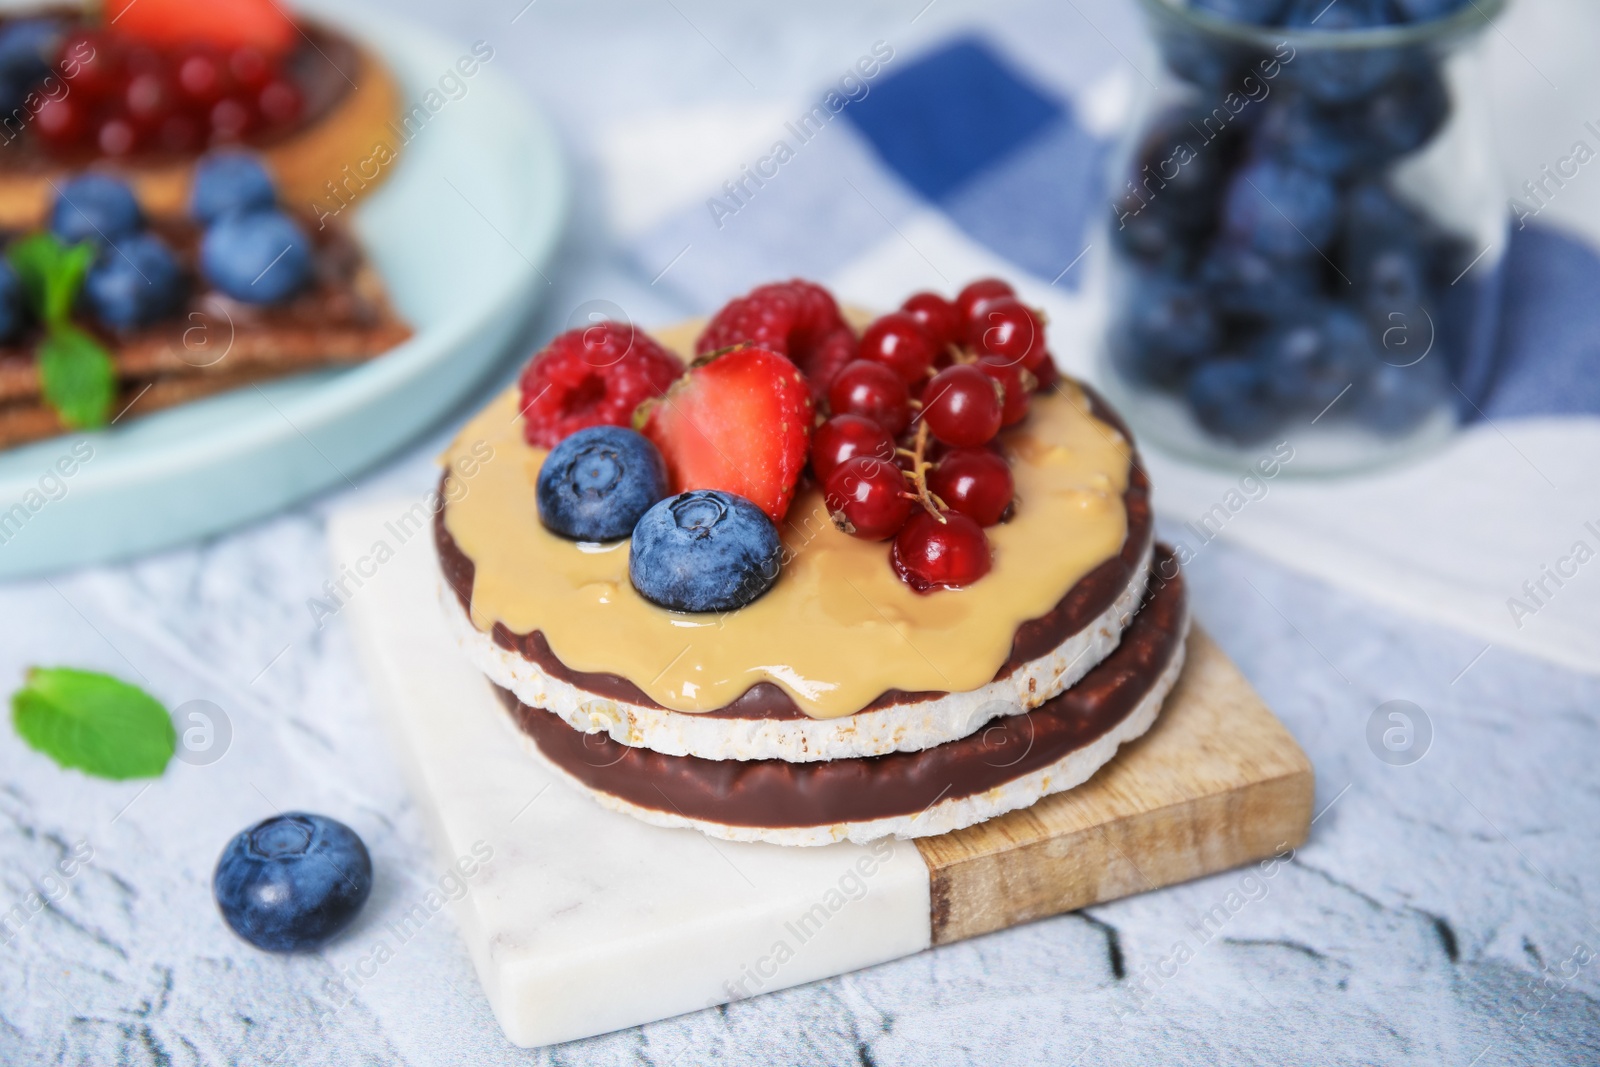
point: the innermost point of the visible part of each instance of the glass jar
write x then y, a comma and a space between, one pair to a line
1307, 229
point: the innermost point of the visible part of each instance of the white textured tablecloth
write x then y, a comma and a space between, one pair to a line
1444, 912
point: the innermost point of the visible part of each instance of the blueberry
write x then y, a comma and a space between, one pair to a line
259, 258
704, 550
95, 207
1298, 131
1180, 166
595, 485
1399, 118
230, 183
1282, 211
1395, 400
1308, 364
1153, 238
1423, 10
1259, 12
134, 282
1167, 325
1382, 242
13, 308
1393, 288
1229, 399
1340, 75
291, 882
26, 47
1242, 283
1199, 59
1374, 219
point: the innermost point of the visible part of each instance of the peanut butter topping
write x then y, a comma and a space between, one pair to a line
838, 628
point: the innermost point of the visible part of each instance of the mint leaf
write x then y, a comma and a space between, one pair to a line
51, 273
93, 722
77, 375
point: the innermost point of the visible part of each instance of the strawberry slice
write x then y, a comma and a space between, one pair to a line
739, 421
226, 24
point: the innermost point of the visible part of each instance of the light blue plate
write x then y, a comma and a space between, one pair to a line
460, 233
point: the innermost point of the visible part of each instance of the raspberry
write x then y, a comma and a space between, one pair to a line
797, 319
592, 376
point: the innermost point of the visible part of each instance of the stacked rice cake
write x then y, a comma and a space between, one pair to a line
841, 705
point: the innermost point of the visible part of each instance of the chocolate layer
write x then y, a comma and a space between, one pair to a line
778, 794
1082, 604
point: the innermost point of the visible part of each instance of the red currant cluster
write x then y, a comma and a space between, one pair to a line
126, 97
909, 451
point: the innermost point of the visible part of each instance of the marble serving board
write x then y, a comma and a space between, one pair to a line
581, 921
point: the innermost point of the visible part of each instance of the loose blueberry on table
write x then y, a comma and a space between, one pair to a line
292, 882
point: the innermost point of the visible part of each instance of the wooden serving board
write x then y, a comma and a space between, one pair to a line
1217, 782
582, 921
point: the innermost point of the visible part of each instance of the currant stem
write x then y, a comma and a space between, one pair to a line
919, 474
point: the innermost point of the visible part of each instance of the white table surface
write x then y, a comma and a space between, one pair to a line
1445, 912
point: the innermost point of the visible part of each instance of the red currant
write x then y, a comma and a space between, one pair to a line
201, 77
975, 482
61, 123
179, 133
873, 391
938, 317
91, 63
1016, 383
149, 99
280, 103
116, 136
973, 297
929, 554
867, 498
143, 59
230, 119
962, 406
1045, 375
898, 341
844, 436
250, 67
1007, 328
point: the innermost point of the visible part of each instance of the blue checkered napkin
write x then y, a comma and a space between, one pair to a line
960, 130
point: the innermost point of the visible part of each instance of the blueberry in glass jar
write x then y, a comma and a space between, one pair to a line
1318, 249
1241, 283
1423, 10
1398, 118
1168, 325
1299, 131
1229, 398
1341, 75
1395, 400
1280, 210
1309, 364
1260, 12
1167, 207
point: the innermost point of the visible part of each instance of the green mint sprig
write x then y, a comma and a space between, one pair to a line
94, 722
75, 371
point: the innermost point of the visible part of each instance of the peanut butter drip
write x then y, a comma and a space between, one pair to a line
838, 628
